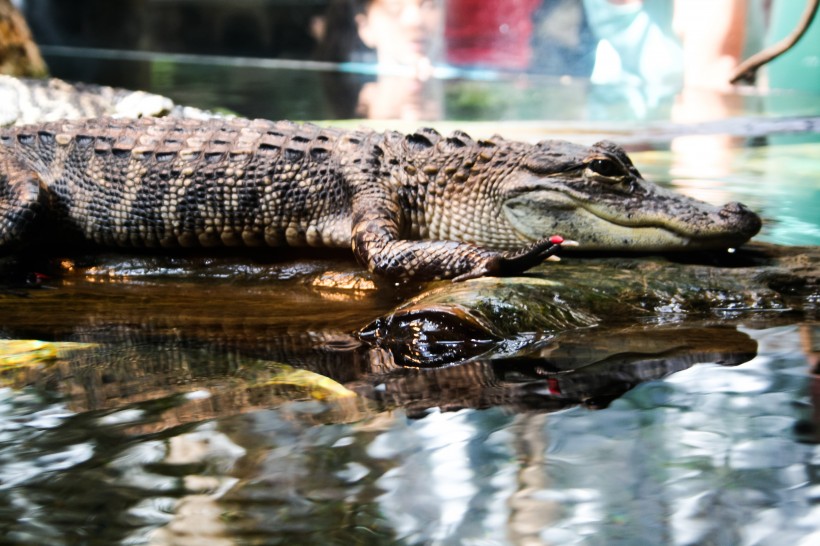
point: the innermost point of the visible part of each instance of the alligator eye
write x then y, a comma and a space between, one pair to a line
606, 167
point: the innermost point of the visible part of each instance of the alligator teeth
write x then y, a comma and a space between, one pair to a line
552, 258
568, 242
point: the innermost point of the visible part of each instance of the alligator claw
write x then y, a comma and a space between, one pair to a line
520, 261
514, 263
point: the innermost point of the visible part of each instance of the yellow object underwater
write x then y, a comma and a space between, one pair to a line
16, 353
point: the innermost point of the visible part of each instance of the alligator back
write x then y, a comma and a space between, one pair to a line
171, 182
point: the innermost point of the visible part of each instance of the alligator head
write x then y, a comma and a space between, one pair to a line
597, 197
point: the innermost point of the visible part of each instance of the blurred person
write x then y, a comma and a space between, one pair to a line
674, 43
409, 37
403, 39
391, 33
562, 42
715, 36
542, 36
490, 34
402, 32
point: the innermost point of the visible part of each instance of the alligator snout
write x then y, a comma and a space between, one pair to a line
741, 217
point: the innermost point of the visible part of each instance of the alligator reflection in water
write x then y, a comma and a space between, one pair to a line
130, 367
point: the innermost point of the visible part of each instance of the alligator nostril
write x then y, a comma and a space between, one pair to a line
734, 208
741, 218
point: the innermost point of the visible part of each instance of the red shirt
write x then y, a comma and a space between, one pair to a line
490, 33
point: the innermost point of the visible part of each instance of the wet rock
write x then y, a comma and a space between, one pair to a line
759, 277
455, 322
578, 293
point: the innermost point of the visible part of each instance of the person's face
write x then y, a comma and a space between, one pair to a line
401, 31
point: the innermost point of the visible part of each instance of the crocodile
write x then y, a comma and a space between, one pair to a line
420, 205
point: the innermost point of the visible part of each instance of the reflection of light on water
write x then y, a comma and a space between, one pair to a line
449, 483
677, 454
440, 468
197, 516
452, 476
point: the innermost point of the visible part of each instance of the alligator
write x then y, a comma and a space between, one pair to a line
420, 206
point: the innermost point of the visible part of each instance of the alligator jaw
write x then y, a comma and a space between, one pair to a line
683, 224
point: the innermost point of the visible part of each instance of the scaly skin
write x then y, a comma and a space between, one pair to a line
420, 205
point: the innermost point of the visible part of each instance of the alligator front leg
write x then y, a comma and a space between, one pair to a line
20, 201
426, 260
377, 244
